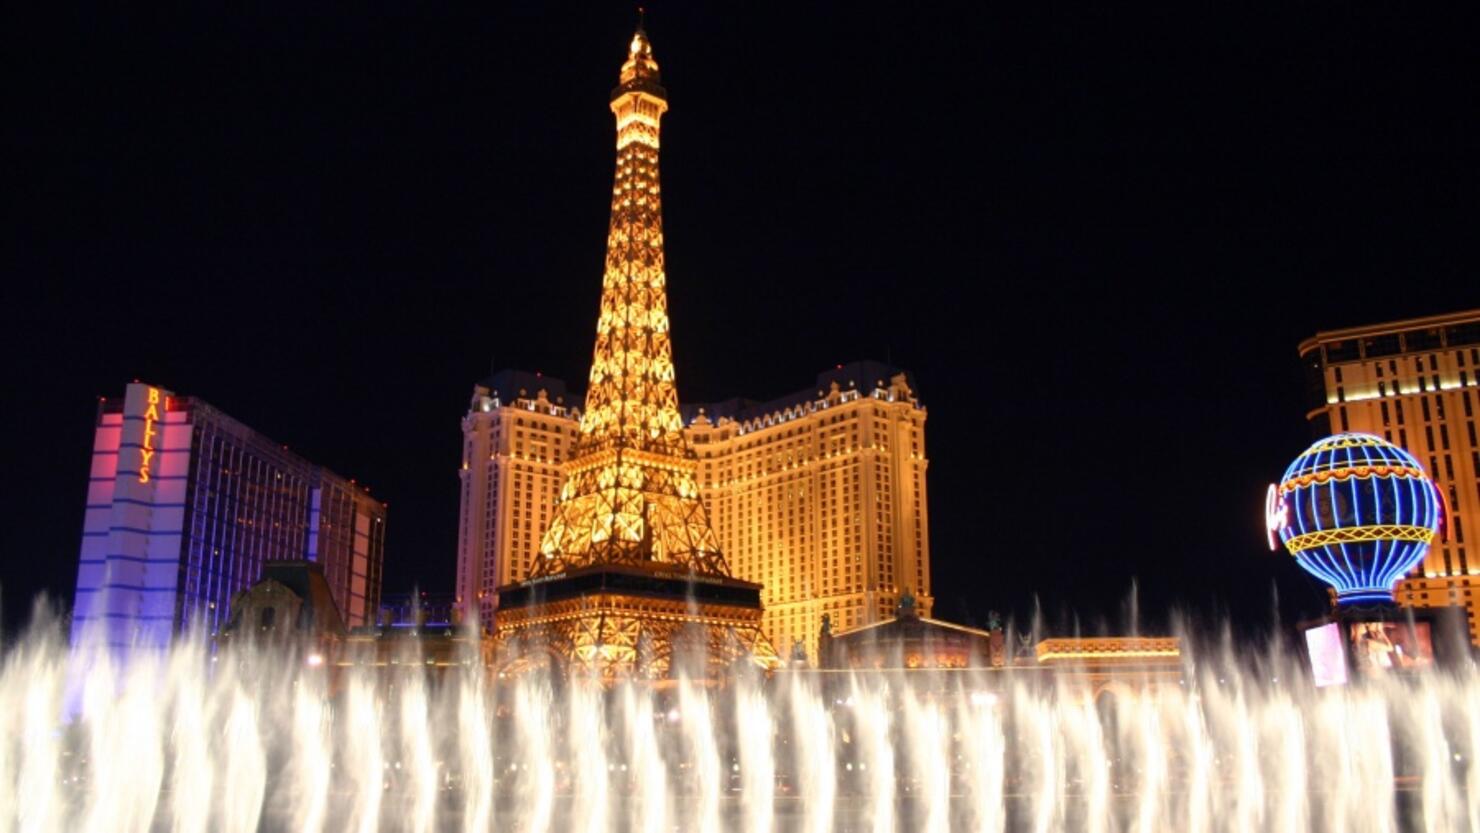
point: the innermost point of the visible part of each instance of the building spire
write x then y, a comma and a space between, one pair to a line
640, 70
631, 491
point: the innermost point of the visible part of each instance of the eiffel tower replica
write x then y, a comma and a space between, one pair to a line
630, 582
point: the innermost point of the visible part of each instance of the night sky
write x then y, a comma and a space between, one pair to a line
1095, 236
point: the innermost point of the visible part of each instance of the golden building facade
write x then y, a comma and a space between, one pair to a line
819, 496
1414, 383
516, 434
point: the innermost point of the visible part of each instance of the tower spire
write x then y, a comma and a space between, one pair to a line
639, 72
631, 488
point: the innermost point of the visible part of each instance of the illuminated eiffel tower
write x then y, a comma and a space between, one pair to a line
631, 581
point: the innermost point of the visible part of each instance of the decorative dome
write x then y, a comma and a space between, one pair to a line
1357, 512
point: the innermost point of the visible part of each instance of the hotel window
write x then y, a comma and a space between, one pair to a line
1383, 345
1427, 339
1341, 351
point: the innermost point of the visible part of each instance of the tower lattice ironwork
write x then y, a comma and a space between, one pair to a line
630, 569
631, 485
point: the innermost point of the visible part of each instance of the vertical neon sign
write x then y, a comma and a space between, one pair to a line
1276, 515
146, 449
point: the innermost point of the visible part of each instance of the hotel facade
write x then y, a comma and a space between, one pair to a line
184, 507
1415, 383
819, 496
517, 432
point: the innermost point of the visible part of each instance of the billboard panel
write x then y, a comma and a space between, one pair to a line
1327, 654
1383, 647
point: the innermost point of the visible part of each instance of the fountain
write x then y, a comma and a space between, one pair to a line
245, 740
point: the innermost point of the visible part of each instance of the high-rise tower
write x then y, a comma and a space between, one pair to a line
631, 491
630, 570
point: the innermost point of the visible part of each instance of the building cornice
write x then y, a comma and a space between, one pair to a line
1388, 327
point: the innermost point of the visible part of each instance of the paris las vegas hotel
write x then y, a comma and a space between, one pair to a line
818, 496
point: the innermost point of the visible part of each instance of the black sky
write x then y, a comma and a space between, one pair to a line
1095, 235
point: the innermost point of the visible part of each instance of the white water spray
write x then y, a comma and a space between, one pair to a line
185, 742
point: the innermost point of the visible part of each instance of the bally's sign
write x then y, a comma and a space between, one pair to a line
151, 431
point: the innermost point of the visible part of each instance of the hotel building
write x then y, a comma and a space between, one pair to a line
184, 507
517, 432
819, 496
1415, 383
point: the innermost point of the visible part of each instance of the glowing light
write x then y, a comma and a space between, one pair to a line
1381, 532
1101, 655
1108, 649
1346, 473
631, 488
1396, 390
146, 447
1276, 515
1364, 514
